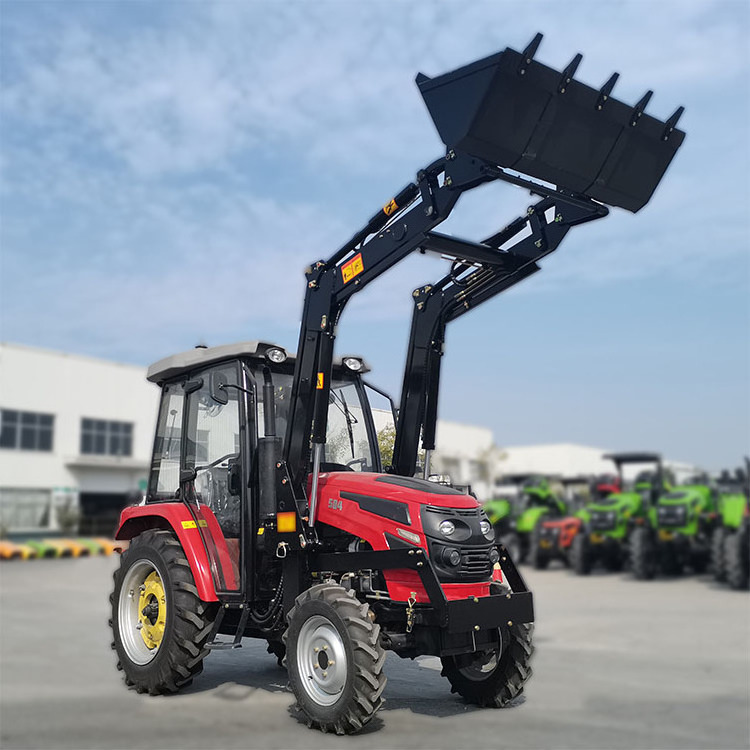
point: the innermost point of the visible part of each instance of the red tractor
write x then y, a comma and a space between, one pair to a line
268, 512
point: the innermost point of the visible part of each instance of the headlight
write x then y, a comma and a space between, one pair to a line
494, 555
485, 527
353, 363
276, 355
451, 556
447, 527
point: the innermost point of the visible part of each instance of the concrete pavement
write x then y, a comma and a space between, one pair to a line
619, 664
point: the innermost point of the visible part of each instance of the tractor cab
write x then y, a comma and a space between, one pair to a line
210, 424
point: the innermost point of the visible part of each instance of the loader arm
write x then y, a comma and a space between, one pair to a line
467, 286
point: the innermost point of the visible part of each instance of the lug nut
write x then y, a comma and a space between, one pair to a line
325, 674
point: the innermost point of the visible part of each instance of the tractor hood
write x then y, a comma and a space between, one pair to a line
620, 502
395, 489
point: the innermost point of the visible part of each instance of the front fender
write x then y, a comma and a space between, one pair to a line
177, 518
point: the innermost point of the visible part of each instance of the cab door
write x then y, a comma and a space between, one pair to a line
213, 471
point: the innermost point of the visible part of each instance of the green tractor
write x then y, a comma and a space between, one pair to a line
729, 542
678, 534
609, 521
517, 518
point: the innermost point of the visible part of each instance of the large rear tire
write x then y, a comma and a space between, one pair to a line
642, 554
335, 659
490, 679
718, 559
159, 623
737, 563
580, 554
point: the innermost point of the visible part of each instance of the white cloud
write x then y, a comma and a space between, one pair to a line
137, 161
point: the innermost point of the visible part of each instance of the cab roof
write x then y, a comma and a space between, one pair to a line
177, 364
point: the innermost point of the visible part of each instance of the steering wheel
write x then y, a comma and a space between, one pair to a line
216, 462
362, 461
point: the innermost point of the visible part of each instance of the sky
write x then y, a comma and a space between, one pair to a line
169, 169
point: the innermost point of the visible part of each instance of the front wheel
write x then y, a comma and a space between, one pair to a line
159, 623
580, 554
538, 557
642, 554
335, 659
736, 555
492, 679
718, 560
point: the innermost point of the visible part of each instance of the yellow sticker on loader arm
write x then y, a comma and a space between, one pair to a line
352, 268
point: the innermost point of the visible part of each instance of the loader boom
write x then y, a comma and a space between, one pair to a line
609, 152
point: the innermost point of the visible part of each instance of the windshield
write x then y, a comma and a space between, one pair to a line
347, 440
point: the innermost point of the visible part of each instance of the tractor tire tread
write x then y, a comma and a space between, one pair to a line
507, 682
369, 657
192, 620
736, 562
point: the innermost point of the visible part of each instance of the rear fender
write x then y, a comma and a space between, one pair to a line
177, 518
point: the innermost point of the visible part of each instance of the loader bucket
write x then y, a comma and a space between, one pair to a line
512, 111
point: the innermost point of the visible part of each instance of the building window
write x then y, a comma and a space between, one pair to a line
25, 509
25, 430
101, 437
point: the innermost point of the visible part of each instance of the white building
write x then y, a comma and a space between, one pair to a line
75, 432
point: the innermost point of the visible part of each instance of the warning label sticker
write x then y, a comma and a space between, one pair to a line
390, 208
352, 268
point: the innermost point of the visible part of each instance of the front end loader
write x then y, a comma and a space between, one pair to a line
268, 514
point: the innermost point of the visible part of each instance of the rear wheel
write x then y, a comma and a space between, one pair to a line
159, 623
335, 659
493, 678
642, 554
580, 554
718, 560
736, 556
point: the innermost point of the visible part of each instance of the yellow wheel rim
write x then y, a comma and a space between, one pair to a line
152, 610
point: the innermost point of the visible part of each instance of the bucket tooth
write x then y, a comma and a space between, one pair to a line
529, 52
637, 112
671, 123
606, 90
568, 73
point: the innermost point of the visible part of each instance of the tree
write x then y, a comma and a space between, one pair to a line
386, 440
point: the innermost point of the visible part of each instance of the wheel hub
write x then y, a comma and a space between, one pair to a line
322, 660
152, 606
142, 611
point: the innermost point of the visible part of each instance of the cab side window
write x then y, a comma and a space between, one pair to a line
165, 464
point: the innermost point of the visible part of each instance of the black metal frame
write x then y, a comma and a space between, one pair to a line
456, 616
481, 270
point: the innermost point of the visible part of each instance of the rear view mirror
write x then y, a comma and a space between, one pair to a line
218, 387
